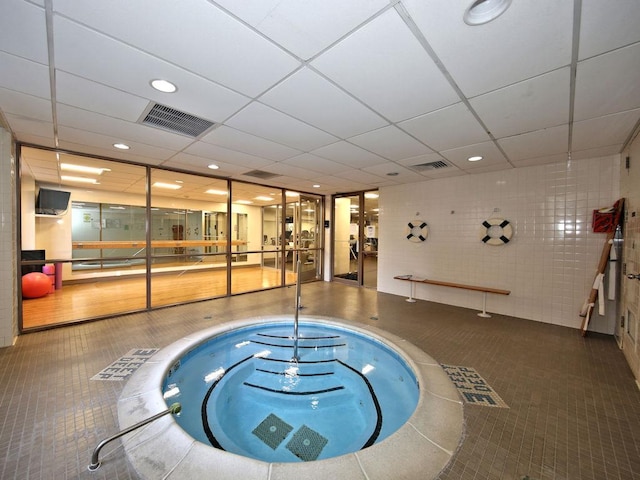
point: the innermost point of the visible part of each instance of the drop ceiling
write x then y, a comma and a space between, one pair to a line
346, 95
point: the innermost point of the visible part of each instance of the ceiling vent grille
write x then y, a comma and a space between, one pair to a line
172, 120
261, 174
437, 165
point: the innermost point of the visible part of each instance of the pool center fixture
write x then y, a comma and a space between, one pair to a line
358, 402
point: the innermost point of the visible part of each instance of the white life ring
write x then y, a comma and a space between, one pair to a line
496, 231
417, 231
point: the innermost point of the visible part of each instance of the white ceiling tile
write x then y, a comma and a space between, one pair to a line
404, 175
603, 131
25, 105
24, 76
27, 128
83, 141
608, 83
532, 162
490, 153
349, 154
215, 39
607, 25
385, 66
316, 164
196, 163
76, 51
243, 142
549, 141
391, 143
449, 127
526, 106
528, 39
308, 97
342, 183
23, 31
596, 152
486, 168
364, 176
226, 155
265, 122
87, 95
304, 28
287, 169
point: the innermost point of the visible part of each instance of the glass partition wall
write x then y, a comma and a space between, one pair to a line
143, 237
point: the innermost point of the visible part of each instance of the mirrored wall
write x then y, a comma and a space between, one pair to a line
133, 237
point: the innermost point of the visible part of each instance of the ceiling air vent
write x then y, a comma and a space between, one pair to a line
437, 165
172, 120
261, 174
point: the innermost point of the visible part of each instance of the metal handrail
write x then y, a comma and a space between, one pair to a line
295, 320
95, 462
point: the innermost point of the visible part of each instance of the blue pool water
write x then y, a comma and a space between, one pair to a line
242, 392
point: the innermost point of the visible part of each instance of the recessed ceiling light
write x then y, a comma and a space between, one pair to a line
121, 146
163, 86
243, 202
170, 186
315, 185
213, 191
475, 158
83, 169
79, 179
371, 195
213, 166
263, 198
483, 11
291, 194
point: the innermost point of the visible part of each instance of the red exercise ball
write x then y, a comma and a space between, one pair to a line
35, 285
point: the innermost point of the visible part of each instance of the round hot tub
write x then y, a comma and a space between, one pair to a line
355, 402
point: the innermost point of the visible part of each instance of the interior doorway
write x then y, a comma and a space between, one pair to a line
355, 239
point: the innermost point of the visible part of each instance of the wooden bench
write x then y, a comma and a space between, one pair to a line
484, 290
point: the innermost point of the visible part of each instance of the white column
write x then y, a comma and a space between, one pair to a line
8, 251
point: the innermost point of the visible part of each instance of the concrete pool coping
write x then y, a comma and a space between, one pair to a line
420, 449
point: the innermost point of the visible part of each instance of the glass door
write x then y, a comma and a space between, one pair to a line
370, 240
346, 236
355, 238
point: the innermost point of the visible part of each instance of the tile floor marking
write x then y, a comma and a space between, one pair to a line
126, 365
473, 388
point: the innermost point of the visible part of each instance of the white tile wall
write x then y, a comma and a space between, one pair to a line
550, 263
8, 292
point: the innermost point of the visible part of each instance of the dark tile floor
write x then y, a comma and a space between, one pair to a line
574, 406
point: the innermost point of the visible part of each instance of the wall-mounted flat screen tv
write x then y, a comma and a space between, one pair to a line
32, 255
52, 202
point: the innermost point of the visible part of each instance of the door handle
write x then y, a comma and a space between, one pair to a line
631, 276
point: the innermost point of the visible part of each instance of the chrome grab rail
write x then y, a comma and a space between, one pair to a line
295, 320
95, 462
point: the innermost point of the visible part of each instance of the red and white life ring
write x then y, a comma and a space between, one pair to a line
417, 231
496, 231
